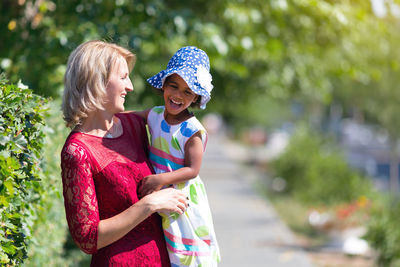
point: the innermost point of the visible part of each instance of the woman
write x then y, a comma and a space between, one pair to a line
103, 161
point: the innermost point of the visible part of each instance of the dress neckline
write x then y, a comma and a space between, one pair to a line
179, 123
104, 137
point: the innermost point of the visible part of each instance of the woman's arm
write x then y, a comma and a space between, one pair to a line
112, 229
88, 231
193, 158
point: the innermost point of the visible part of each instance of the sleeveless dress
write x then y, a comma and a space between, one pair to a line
190, 237
100, 178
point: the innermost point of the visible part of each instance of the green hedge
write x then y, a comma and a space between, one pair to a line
316, 172
53, 245
21, 143
383, 232
33, 228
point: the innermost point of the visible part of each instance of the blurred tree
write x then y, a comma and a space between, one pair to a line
316, 51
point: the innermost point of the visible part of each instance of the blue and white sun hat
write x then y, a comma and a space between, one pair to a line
193, 65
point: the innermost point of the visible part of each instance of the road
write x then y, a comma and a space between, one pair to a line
248, 230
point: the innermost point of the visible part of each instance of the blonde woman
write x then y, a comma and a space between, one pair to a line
104, 159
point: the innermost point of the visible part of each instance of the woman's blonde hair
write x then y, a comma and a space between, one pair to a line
85, 80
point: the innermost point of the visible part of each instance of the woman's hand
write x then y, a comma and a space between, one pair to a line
166, 201
150, 184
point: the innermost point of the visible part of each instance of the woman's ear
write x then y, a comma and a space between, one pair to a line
195, 99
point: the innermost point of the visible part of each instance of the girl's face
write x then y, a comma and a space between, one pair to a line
177, 96
119, 84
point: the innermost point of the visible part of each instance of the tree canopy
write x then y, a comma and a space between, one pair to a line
319, 51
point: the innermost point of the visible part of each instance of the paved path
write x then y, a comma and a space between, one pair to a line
248, 230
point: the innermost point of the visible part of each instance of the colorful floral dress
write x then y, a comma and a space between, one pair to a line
190, 237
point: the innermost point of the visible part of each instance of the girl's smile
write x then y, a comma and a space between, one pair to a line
178, 97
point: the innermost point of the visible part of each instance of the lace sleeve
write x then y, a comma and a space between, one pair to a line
80, 197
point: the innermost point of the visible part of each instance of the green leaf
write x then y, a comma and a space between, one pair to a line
8, 248
4, 140
4, 258
9, 185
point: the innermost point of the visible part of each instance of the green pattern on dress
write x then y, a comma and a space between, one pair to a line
203, 189
165, 221
193, 194
174, 215
181, 185
158, 110
202, 231
175, 143
161, 144
186, 259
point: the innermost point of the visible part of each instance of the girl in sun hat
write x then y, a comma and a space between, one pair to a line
178, 141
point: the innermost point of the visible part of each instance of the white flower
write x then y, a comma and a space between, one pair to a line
204, 78
21, 85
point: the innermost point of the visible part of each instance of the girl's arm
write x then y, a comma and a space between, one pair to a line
112, 229
193, 157
143, 114
80, 200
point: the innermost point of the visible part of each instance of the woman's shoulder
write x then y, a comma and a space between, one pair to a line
133, 124
131, 118
74, 147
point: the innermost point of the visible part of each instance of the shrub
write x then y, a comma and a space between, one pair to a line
21, 142
50, 229
316, 172
383, 233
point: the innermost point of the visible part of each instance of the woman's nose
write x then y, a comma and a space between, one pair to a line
129, 85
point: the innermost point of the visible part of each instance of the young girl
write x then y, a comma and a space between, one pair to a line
177, 143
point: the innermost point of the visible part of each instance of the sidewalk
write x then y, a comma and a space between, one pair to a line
248, 230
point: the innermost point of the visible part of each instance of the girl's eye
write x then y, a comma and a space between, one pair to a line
188, 92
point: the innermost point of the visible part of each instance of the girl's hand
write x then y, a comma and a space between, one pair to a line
167, 200
150, 184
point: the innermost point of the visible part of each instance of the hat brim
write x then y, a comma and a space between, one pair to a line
187, 74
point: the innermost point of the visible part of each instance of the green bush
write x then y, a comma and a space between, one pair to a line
21, 143
50, 229
52, 243
383, 232
316, 172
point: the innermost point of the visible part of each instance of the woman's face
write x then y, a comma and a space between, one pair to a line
119, 84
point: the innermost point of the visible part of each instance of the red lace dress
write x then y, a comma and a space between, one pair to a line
100, 177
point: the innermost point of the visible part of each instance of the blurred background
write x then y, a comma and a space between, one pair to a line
309, 89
